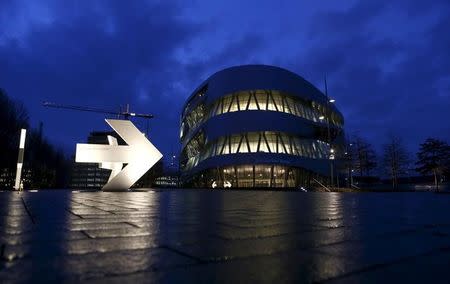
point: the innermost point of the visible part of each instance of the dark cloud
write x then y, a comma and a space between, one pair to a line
96, 55
387, 63
384, 81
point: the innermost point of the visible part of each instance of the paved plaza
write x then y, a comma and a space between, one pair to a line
199, 236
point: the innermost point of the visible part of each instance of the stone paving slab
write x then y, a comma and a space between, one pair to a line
200, 236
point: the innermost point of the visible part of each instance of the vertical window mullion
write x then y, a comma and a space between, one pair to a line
232, 100
221, 106
267, 143
248, 101
273, 100
238, 101
294, 143
259, 141
223, 146
276, 141
298, 108
240, 142
256, 101
290, 145
286, 105
214, 149
284, 146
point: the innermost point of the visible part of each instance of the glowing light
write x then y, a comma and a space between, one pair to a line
321, 117
23, 134
18, 183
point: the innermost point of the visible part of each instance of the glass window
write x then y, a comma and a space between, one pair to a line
253, 105
263, 145
220, 145
282, 147
271, 104
278, 99
253, 140
235, 140
263, 175
226, 104
261, 97
245, 176
244, 145
234, 103
271, 138
243, 98
271, 100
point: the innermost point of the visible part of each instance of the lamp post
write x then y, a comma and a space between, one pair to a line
327, 113
349, 162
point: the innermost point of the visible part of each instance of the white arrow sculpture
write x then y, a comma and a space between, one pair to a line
140, 155
114, 167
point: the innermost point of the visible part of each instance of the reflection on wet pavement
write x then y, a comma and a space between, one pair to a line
223, 236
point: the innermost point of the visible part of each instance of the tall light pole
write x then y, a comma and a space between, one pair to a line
327, 113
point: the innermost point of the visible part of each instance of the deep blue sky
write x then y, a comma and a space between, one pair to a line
387, 62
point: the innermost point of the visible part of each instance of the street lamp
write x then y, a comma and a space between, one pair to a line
327, 113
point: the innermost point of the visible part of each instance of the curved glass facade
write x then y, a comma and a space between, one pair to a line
259, 176
272, 100
261, 100
252, 142
225, 142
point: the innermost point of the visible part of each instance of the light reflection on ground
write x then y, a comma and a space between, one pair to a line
206, 236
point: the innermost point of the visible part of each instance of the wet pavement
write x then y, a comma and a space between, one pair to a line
200, 236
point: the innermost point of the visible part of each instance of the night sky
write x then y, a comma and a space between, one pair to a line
387, 62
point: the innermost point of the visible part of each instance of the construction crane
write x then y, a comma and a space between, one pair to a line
125, 114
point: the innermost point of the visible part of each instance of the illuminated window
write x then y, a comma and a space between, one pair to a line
266, 100
263, 142
253, 104
235, 141
253, 141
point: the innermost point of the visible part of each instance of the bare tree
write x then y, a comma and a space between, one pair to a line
395, 159
13, 117
433, 157
363, 155
347, 164
46, 164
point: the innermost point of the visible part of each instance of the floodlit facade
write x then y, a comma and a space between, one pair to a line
258, 126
